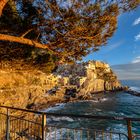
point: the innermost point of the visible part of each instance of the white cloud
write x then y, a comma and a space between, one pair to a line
136, 60
113, 46
107, 49
137, 37
129, 71
136, 22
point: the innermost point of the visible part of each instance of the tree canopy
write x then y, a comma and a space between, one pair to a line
67, 30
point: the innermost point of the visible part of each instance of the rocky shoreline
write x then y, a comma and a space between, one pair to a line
133, 92
77, 97
94, 97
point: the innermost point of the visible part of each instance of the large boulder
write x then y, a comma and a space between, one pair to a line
92, 85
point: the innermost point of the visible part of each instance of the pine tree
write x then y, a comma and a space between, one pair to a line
68, 30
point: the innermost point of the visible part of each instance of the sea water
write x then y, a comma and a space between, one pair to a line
119, 104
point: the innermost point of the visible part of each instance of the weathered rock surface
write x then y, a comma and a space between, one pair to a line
92, 85
24, 89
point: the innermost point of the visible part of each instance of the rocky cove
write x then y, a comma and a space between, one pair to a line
35, 90
27, 88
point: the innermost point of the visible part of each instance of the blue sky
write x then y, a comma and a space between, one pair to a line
124, 46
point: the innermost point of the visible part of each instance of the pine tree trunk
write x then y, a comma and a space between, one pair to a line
26, 41
2, 4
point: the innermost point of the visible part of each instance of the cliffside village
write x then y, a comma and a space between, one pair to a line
91, 76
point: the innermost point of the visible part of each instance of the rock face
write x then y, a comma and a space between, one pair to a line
91, 76
92, 85
25, 88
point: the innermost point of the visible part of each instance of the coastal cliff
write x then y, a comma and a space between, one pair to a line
30, 88
89, 77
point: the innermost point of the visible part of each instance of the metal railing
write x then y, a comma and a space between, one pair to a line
61, 133
22, 124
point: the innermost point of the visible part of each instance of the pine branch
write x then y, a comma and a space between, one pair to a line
26, 41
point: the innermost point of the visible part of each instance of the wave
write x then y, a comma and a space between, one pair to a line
104, 99
64, 133
55, 108
97, 100
60, 119
137, 89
